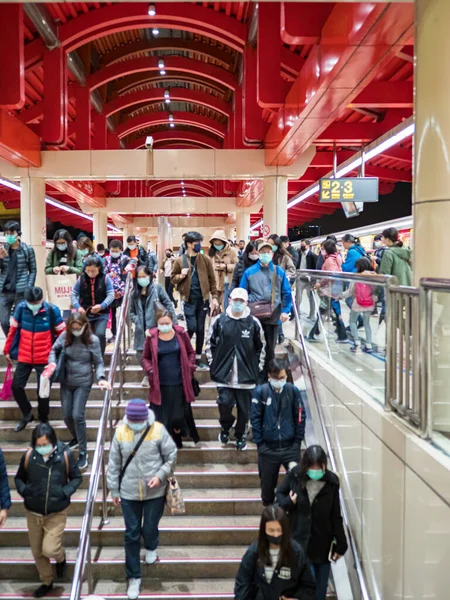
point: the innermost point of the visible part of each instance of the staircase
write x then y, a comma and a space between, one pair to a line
199, 552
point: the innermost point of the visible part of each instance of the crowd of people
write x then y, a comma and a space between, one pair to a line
245, 290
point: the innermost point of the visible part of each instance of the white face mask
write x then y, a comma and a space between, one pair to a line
78, 332
131, 246
115, 254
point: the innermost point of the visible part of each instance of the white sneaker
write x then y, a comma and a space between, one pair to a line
145, 383
134, 587
151, 557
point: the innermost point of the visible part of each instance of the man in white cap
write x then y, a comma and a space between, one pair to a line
236, 355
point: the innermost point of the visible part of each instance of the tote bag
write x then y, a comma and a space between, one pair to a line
59, 288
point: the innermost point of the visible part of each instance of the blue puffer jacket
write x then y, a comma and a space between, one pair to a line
354, 253
278, 419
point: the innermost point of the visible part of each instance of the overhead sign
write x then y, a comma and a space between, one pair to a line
349, 189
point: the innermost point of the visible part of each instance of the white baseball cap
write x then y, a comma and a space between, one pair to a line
239, 294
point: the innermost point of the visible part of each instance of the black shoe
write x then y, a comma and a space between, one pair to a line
112, 339
23, 423
43, 419
224, 437
82, 461
73, 444
281, 338
241, 443
61, 568
42, 590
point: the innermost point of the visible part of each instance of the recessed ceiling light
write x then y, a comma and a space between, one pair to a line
155, 31
151, 10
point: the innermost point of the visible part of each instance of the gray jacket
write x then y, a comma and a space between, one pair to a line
157, 294
155, 458
26, 268
81, 360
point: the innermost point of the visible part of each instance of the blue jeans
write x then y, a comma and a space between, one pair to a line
321, 573
99, 325
141, 519
349, 302
226, 295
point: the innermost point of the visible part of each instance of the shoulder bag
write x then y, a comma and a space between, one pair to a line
174, 497
264, 310
132, 455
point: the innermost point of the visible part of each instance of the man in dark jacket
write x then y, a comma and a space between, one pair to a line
17, 272
236, 355
278, 422
193, 274
5, 496
46, 479
133, 250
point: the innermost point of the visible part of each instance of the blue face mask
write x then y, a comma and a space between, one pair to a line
165, 328
315, 474
143, 281
61, 247
237, 307
197, 247
277, 384
35, 308
265, 257
11, 238
43, 450
83, 252
219, 247
274, 248
137, 426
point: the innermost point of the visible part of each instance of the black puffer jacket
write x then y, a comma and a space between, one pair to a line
314, 526
47, 487
26, 268
291, 581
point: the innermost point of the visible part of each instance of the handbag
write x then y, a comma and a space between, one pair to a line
6, 392
60, 373
174, 497
132, 455
264, 309
195, 387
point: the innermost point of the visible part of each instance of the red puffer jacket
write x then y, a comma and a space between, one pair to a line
34, 334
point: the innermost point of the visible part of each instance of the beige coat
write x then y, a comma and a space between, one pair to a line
224, 262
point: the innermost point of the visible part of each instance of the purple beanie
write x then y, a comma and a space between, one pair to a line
137, 410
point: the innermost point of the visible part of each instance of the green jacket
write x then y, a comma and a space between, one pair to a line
397, 261
75, 264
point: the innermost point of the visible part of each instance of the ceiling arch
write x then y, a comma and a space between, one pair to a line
190, 137
131, 82
183, 118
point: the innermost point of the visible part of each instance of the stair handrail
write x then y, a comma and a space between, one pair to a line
98, 469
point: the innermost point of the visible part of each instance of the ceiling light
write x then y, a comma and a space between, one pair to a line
172, 124
167, 94
167, 100
155, 31
151, 10
182, 182
160, 64
170, 117
162, 72
188, 215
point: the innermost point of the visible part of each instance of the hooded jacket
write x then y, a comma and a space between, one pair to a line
354, 253
155, 458
81, 360
236, 347
150, 364
289, 581
47, 487
396, 261
223, 261
314, 526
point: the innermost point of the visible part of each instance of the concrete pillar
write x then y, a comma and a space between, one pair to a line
100, 228
231, 233
242, 226
143, 241
164, 241
153, 241
126, 231
431, 198
33, 222
275, 204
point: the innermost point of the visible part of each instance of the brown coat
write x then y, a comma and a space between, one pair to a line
205, 276
224, 262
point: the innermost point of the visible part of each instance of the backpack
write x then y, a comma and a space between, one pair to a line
363, 294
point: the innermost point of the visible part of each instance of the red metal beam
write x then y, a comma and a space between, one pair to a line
399, 153
385, 94
156, 95
54, 125
131, 82
254, 127
356, 42
159, 137
302, 22
32, 114
161, 118
83, 120
271, 88
100, 139
87, 192
150, 64
18, 144
12, 62
357, 133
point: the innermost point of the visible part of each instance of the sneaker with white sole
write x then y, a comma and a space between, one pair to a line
145, 383
151, 557
134, 587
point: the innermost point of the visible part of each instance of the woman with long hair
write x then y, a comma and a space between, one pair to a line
169, 363
310, 495
86, 249
82, 361
249, 257
396, 258
63, 257
275, 567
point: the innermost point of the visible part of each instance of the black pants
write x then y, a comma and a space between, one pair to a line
8, 302
195, 314
169, 290
271, 335
227, 400
21, 376
98, 326
269, 463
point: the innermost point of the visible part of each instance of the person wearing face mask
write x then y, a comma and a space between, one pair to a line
224, 259
236, 356
167, 272
102, 251
86, 249
34, 326
278, 423
275, 567
310, 495
269, 288
82, 359
145, 299
64, 257
169, 363
136, 252
47, 478
137, 478
307, 260
17, 272
249, 257
193, 274
115, 268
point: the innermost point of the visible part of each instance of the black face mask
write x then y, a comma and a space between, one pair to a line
274, 539
303, 248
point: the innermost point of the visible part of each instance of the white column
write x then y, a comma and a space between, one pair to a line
126, 231
275, 204
100, 228
231, 232
164, 242
33, 222
242, 226
143, 241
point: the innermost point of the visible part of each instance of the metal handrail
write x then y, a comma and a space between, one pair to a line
357, 562
431, 283
375, 279
98, 468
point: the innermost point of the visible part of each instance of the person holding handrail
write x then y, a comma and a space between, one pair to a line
141, 458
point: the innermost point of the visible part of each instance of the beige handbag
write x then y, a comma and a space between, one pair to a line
174, 497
